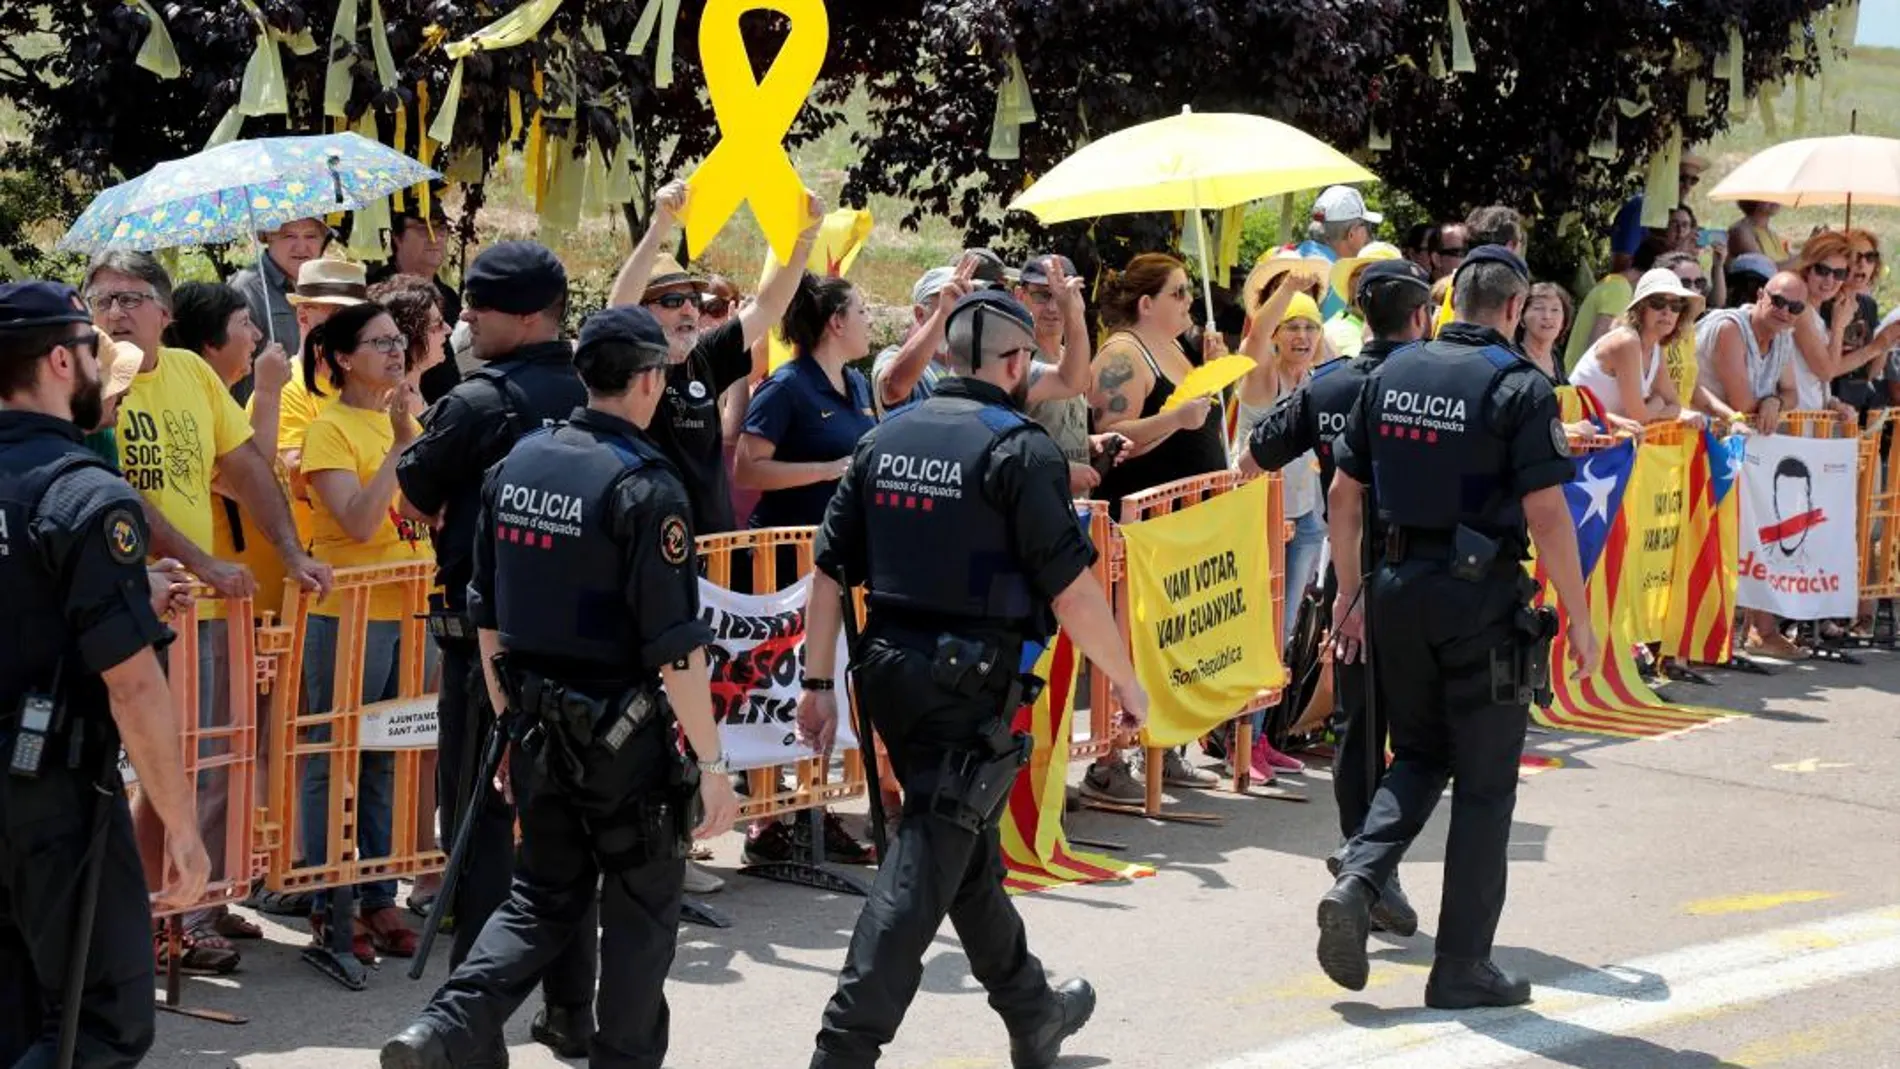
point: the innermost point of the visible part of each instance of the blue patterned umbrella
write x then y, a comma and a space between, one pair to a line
233, 191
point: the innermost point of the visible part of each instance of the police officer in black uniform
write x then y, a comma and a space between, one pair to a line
1394, 297
586, 584
1461, 443
956, 514
515, 304
78, 678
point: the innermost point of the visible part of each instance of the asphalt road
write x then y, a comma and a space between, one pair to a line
1725, 897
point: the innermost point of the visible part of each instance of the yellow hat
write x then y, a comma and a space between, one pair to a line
1372, 253
1301, 307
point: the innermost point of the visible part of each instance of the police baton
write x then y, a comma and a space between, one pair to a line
74, 986
1374, 727
492, 751
861, 717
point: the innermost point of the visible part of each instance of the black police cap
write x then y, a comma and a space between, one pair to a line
1382, 272
1497, 254
24, 305
515, 277
627, 328
984, 303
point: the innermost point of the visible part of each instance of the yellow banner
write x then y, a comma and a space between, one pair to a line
1200, 602
1654, 509
840, 239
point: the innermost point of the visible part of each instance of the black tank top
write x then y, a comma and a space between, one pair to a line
1181, 454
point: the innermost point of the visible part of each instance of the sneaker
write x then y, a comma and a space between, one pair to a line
843, 847
1176, 772
701, 882
1264, 753
1113, 783
1260, 774
772, 843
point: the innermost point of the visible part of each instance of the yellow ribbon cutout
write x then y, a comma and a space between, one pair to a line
157, 54
749, 163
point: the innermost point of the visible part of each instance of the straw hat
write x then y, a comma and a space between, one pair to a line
1372, 253
119, 364
667, 275
1662, 282
327, 281
1274, 265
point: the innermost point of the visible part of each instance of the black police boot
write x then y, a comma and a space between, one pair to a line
418, 1046
566, 1030
1462, 984
1073, 1003
1393, 912
1345, 917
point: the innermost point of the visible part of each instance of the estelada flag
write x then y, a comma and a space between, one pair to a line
1701, 624
840, 239
1036, 854
1615, 701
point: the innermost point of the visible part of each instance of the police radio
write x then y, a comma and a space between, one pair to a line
36, 723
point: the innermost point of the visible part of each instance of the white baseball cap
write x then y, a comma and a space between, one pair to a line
1343, 204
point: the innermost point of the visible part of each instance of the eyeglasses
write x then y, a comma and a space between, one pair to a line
1182, 292
673, 302
1793, 308
1037, 295
388, 344
128, 300
1700, 285
1825, 271
713, 306
1868, 256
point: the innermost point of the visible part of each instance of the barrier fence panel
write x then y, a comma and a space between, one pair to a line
766, 561
1169, 498
348, 765
1099, 739
1878, 526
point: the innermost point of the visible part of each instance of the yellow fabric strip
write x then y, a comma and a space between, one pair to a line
337, 79
227, 128
521, 24
1461, 59
1737, 90
442, 130
157, 54
379, 45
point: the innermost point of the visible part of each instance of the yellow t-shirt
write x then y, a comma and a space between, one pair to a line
295, 412
1679, 361
174, 424
356, 440
1607, 298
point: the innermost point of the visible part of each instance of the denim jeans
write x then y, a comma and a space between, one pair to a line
376, 772
1303, 553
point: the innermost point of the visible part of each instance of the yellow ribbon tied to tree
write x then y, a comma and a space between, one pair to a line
665, 14
516, 27
749, 164
157, 54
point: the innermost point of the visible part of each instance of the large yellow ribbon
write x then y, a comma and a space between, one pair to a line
749, 163
157, 54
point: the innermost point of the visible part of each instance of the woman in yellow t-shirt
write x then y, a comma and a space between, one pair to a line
349, 460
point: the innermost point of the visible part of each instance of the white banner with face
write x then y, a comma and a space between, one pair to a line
1799, 553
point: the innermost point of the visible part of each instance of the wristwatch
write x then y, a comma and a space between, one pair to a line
715, 767
815, 683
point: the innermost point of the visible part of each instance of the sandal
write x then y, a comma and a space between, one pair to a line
232, 926
361, 947
202, 950
388, 933
279, 903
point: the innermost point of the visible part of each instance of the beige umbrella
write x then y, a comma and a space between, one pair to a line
1848, 169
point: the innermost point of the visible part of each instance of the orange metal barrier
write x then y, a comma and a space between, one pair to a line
1160, 501
1099, 739
295, 737
1878, 527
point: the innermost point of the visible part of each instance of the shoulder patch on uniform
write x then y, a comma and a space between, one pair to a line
123, 540
1501, 358
1558, 437
673, 542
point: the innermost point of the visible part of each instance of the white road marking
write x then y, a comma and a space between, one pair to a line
1589, 1005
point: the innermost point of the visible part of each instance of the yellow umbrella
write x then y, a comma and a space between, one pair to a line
1847, 169
1189, 162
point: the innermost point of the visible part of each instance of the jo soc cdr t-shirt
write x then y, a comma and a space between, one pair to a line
174, 424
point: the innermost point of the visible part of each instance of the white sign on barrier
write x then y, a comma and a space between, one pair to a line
1799, 555
758, 661
398, 724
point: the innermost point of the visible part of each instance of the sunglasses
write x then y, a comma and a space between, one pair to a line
673, 302
1793, 308
88, 340
1700, 285
1666, 304
714, 306
1868, 256
1825, 271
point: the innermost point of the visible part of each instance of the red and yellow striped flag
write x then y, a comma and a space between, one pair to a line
1701, 624
1036, 851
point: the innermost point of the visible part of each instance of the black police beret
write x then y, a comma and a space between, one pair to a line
40, 304
515, 277
1383, 271
1497, 254
627, 326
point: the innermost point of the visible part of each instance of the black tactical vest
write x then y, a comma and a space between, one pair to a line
936, 546
1436, 462
560, 578
34, 636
